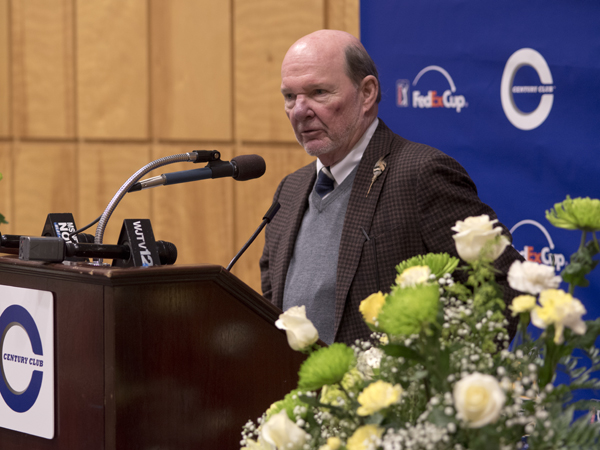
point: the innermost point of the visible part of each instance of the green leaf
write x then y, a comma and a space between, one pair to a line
374, 419
398, 351
581, 265
439, 418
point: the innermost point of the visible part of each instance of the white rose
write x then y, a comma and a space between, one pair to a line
300, 331
478, 399
257, 445
475, 234
531, 277
282, 433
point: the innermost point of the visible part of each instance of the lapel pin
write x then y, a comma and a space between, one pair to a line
377, 170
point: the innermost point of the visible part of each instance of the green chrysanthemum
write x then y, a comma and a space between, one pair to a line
408, 310
439, 263
576, 214
327, 365
289, 403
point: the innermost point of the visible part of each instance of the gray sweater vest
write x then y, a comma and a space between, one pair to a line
311, 276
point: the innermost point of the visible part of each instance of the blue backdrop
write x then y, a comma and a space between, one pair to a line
511, 90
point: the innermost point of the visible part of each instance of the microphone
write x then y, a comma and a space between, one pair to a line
63, 225
241, 168
9, 243
266, 219
54, 249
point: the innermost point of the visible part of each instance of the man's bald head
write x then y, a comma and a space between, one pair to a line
335, 43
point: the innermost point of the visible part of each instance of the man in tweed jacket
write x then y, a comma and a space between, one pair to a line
331, 101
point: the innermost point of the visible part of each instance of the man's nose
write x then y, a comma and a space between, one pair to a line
302, 108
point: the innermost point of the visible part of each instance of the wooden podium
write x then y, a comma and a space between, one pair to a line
174, 357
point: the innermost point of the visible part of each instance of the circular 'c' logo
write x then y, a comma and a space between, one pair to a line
521, 120
22, 401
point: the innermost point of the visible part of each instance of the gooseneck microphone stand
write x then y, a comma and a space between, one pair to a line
196, 156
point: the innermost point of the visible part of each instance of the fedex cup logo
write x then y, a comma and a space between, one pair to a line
448, 99
20, 400
545, 255
520, 119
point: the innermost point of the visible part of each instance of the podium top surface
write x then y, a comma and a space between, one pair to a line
90, 273
13, 267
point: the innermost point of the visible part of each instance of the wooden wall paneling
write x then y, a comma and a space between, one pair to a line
6, 204
252, 201
44, 182
103, 169
197, 217
344, 15
264, 30
43, 68
4, 69
112, 69
191, 70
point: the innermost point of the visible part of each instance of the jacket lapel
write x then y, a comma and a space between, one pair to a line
359, 216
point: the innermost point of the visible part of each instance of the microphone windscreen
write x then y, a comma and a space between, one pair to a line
249, 167
167, 252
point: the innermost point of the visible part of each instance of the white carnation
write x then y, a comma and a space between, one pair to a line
531, 277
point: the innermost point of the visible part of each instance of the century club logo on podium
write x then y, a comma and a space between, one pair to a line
21, 399
27, 361
431, 99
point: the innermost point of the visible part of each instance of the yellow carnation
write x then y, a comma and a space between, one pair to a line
333, 443
522, 303
560, 309
377, 396
371, 306
364, 437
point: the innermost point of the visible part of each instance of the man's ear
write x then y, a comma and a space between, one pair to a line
369, 88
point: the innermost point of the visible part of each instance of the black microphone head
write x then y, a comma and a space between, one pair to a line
248, 167
167, 252
85, 238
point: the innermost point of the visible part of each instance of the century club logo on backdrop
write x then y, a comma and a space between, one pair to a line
431, 99
527, 120
542, 254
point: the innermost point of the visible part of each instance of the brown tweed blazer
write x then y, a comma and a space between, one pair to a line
409, 211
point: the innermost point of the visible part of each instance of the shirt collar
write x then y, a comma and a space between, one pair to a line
344, 167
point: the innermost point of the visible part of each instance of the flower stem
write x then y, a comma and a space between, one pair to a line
583, 239
581, 248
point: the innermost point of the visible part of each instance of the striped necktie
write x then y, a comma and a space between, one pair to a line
324, 182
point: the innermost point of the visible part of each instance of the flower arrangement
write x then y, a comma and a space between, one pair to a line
439, 373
